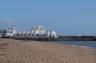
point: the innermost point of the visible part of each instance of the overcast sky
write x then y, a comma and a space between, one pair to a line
67, 17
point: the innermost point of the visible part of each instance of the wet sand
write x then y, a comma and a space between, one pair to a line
17, 51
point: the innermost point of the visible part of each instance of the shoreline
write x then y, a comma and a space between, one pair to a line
83, 44
59, 42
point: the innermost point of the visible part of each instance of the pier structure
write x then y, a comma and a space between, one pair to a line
37, 32
76, 38
40, 33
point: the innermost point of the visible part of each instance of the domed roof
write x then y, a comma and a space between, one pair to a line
37, 28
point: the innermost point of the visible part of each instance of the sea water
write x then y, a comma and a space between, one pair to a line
85, 44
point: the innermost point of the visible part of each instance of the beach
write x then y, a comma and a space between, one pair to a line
20, 51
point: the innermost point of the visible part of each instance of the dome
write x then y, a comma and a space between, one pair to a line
37, 28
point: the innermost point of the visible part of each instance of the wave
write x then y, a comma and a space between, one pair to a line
82, 46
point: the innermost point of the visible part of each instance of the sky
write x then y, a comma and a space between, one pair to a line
66, 17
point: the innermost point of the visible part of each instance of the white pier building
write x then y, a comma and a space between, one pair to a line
36, 31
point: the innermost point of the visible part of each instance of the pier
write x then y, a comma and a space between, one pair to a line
60, 38
39, 33
77, 38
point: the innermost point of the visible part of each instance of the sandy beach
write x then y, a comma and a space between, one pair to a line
18, 51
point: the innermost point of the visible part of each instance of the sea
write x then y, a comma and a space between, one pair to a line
85, 44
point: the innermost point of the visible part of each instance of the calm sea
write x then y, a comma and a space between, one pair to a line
87, 44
